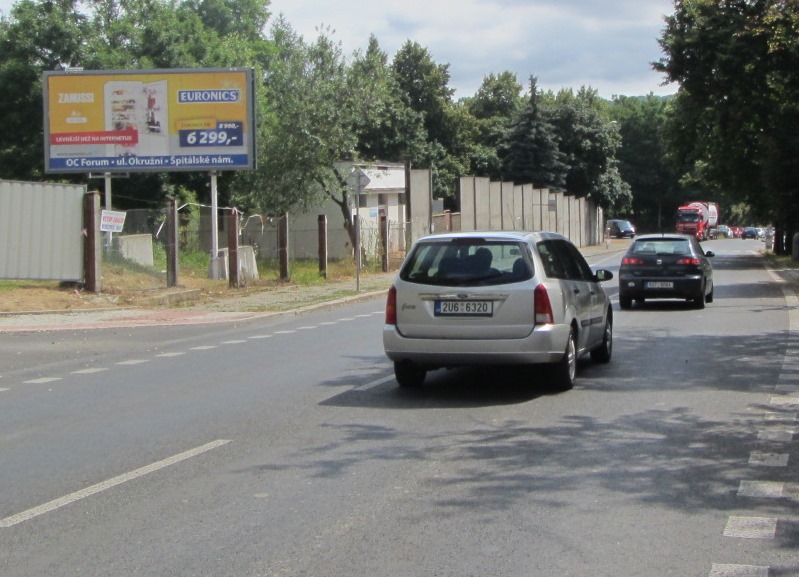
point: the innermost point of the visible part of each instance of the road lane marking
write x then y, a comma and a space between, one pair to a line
260, 337
134, 362
170, 354
41, 380
769, 489
234, 342
203, 348
751, 527
94, 489
762, 459
89, 371
730, 570
374, 384
284, 332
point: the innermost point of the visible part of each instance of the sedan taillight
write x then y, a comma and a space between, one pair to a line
689, 260
543, 308
632, 260
391, 306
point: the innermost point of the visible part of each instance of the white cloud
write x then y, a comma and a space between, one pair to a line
606, 44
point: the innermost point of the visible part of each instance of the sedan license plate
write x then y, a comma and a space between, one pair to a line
660, 284
463, 308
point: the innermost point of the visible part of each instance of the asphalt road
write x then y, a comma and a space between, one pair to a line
281, 446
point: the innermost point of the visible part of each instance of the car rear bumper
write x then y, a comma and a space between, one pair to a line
545, 344
683, 287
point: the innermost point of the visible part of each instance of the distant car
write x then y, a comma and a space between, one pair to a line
724, 230
665, 266
496, 298
620, 228
749, 232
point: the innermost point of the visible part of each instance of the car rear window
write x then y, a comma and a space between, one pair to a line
661, 246
468, 262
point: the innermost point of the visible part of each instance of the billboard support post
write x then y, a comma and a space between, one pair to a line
216, 262
109, 234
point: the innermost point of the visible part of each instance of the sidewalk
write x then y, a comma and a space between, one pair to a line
289, 300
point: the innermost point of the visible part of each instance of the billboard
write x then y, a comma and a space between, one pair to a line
149, 120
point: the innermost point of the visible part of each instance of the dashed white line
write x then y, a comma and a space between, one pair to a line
233, 342
42, 380
374, 384
761, 459
769, 489
167, 355
89, 371
203, 348
134, 362
328, 323
751, 527
284, 332
307, 328
88, 491
729, 570
260, 337
778, 435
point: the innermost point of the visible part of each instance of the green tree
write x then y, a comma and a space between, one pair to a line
40, 35
589, 140
530, 151
736, 65
643, 162
494, 106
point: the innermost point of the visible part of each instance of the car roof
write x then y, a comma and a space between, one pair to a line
511, 235
661, 236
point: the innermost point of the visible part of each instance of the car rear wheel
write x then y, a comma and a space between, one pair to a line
699, 301
566, 369
409, 374
603, 353
709, 296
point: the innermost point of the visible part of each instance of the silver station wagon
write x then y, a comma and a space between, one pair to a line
496, 298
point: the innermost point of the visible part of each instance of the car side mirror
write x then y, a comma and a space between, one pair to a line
603, 275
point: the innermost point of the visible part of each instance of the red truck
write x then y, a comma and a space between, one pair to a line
699, 218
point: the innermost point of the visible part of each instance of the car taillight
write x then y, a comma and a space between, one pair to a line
632, 260
391, 306
689, 260
543, 308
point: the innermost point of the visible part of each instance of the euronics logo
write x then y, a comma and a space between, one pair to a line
212, 96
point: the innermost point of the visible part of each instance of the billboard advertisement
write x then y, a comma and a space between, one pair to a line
149, 120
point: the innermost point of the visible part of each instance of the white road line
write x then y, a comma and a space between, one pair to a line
762, 459
730, 570
203, 348
327, 323
134, 362
769, 489
4, 390
751, 527
374, 384
42, 380
170, 354
234, 342
89, 371
284, 332
307, 328
260, 337
89, 491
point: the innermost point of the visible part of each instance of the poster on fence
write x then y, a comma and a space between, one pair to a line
150, 120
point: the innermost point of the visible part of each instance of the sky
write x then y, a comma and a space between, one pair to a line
607, 45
